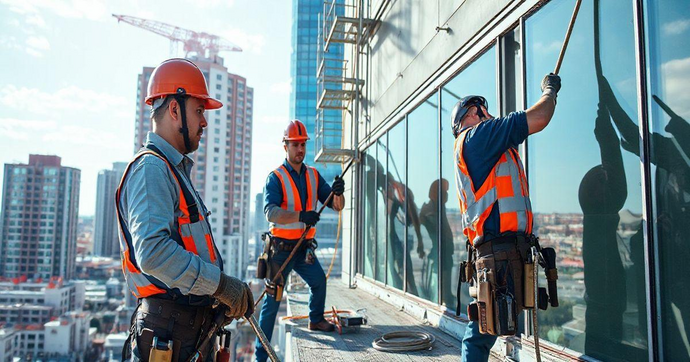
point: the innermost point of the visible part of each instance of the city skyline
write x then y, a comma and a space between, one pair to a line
85, 114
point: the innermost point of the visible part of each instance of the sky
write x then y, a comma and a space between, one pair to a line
68, 76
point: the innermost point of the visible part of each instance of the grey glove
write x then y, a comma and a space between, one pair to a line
550, 85
236, 296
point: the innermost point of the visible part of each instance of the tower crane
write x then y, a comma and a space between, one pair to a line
196, 42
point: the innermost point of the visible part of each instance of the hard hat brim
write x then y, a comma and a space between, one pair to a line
296, 138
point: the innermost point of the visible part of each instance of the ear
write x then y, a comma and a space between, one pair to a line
285, 145
173, 108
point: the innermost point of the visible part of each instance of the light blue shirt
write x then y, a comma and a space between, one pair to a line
149, 201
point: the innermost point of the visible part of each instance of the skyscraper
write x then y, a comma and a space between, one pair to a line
222, 169
106, 230
303, 66
303, 97
40, 204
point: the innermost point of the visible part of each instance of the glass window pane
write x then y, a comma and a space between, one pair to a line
585, 181
668, 54
422, 153
369, 185
396, 208
381, 170
478, 78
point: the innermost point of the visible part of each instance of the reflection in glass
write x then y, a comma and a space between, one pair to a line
396, 207
369, 187
585, 190
668, 29
478, 78
423, 168
380, 217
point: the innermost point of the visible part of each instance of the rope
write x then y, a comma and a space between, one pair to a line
403, 341
337, 239
535, 319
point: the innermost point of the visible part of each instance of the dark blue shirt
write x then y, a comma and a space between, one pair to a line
484, 145
273, 191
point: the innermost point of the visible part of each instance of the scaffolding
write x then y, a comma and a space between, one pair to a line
336, 88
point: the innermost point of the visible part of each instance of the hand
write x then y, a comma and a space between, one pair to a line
552, 81
309, 217
420, 251
338, 186
236, 296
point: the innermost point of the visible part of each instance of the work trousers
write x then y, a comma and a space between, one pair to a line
316, 279
476, 346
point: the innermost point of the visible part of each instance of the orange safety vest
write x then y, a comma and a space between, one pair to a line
193, 234
505, 184
293, 202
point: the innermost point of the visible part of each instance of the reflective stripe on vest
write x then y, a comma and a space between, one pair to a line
505, 184
193, 232
293, 202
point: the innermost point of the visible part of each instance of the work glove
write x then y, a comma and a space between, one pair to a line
550, 85
309, 217
338, 186
236, 296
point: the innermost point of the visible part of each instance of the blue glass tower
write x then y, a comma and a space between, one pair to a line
303, 66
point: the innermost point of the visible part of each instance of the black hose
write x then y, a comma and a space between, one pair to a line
403, 341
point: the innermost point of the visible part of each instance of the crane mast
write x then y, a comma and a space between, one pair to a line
203, 44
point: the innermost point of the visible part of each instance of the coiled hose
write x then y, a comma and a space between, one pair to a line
403, 341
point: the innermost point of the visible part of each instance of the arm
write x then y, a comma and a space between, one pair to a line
337, 203
149, 204
539, 115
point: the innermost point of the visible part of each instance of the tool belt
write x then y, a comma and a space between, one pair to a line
163, 330
501, 276
267, 267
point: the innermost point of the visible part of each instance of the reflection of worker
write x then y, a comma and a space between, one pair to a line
429, 215
672, 187
493, 192
292, 193
169, 256
602, 194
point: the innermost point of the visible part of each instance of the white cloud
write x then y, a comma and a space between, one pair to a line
23, 129
281, 88
676, 27
253, 43
37, 20
38, 43
206, 4
77, 9
34, 52
71, 98
83, 136
553, 47
677, 77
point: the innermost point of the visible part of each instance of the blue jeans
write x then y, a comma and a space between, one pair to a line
476, 346
316, 279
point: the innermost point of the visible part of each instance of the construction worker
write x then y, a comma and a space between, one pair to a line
496, 211
292, 193
169, 256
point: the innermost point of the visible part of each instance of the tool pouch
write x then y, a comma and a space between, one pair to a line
262, 261
499, 271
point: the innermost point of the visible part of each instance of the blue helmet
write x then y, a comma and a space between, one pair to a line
462, 107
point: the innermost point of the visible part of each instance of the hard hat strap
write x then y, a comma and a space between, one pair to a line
180, 97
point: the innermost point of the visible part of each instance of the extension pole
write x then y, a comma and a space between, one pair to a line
567, 36
301, 239
262, 338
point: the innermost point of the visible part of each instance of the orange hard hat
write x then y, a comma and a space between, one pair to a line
179, 76
295, 131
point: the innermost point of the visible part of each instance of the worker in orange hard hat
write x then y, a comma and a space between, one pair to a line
169, 256
292, 193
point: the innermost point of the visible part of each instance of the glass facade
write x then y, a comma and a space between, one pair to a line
303, 65
608, 177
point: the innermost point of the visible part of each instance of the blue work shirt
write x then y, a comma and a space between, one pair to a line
273, 191
484, 145
149, 202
